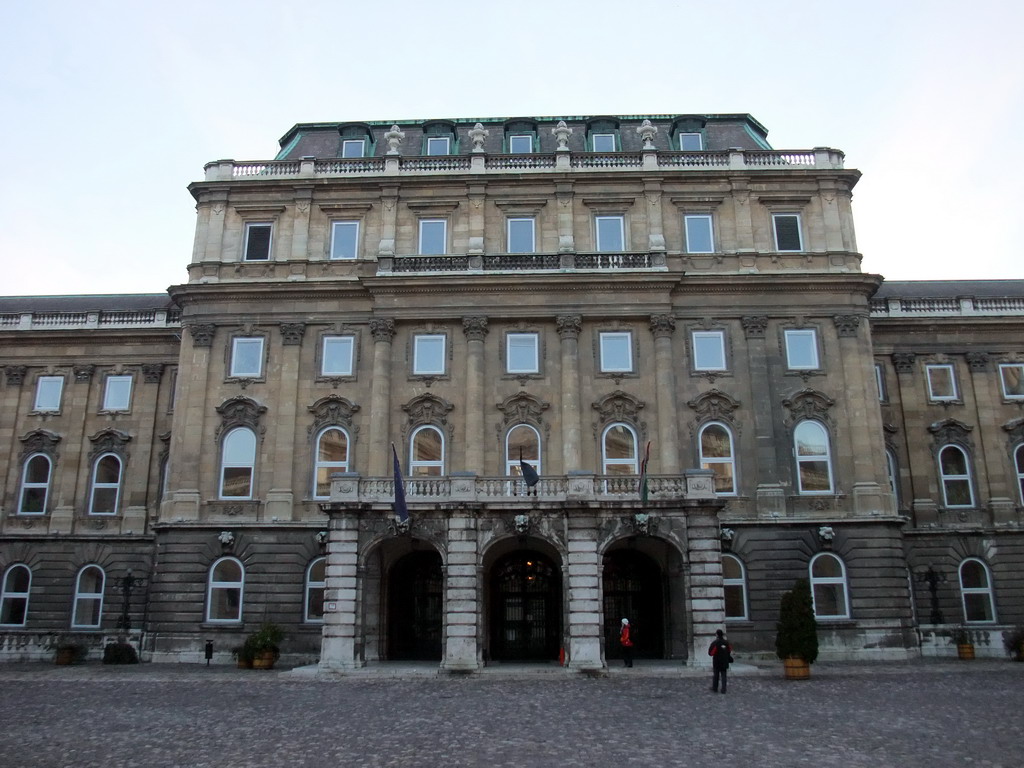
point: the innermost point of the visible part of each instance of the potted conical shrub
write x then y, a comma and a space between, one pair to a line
796, 639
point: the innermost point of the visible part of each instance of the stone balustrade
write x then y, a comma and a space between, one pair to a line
947, 306
112, 319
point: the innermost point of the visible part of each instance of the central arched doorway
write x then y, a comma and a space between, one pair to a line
633, 590
526, 608
415, 607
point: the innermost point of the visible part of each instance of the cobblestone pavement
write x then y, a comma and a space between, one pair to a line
917, 714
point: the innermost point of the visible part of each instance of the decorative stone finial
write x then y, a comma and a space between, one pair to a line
394, 139
646, 132
478, 135
562, 133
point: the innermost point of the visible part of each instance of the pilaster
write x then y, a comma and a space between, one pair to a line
462, 596
475, 329
584, 578
383, 330
662, 327
569, 327
339, 648
280, 497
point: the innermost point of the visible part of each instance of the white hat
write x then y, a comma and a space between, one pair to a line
625, 621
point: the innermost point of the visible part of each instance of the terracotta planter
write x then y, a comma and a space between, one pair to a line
965, 651
64, 656
264, 660
796, 669
244, 664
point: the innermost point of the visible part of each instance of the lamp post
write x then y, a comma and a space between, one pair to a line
933, 578
125, 587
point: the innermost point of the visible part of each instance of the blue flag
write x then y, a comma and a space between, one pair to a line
530, 476
401, 510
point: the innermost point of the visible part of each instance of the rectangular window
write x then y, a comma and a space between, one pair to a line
1012, 375
522, 353
941, 382
353, 148
521, 236
603, 142
428, 354
709, 351
439, 145
247, 357
257, 241
880, 382
48, 390
698, 234
616, 352
337, 356
691, 142
787, 232
118, 393
520, 144
802, 349
611, 233
433, 237
344, 239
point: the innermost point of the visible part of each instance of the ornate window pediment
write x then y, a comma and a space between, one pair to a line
714, 405
332, 410
39, 441
809, 404
1014, 428
109, 441
949, 431
240, 412
523, 408
620, 406
427, 409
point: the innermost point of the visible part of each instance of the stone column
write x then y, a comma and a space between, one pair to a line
569, 331
378, 463
10, 402
462, 597
662, 326
339, 648
280, 497
771, 497
475, 329
706, 594
186, 452
990, 464
584, 592
74, 487
871, 492
135, 519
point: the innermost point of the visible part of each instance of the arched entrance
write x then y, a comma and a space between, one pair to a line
526, 607
415, 603
633, 590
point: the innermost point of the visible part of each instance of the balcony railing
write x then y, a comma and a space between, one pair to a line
819, 158
112, 319
519, 262
948, 306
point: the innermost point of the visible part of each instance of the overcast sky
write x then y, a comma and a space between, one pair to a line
108, 110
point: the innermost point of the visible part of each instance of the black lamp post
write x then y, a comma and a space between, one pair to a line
933, 578
127, 584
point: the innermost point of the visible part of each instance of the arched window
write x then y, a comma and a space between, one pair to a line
35, 485
522, 440
716, 454
813, 458
331, 456
224, 590
88, 610
734, 578
890, 464
427, 452
1019, 462
976, 591
955, 477
106, 485
316, 582
828, 587
238, 461
618, 450
14, 596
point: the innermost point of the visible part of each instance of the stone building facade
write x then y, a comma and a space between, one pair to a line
594, 299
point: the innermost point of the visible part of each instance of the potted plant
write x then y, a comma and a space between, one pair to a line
796, 639
964, 644
1013, 641
262, 646
120, 653
68, 651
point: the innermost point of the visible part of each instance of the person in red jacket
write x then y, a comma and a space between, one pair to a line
626, 643
721, 657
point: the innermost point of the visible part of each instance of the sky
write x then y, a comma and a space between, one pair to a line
108, 110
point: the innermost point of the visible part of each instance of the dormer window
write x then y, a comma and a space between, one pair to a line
353, 148
603, 142
603, 135
521, 137
439, 145
356, 140
691, 142
688, 134
439, 138
520, 144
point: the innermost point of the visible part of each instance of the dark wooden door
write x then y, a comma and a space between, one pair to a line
415, 619
526, 608
633, 590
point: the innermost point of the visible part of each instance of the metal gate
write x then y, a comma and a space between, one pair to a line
526, 615
633, 590
415, 618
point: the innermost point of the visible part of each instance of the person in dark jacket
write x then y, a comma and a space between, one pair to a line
721, 657
627, 643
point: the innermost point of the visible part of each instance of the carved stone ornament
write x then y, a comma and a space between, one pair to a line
562, 132
951, 431
39, 441
754, 326
826, 533
714, 405
394, 139
108, 441
619, 406
478, 135
475, 327
202, 334
226, 539
978, 361
291, 333
846, 325
427, 409
84, 372
382, 329
726, 535
332, 410
809, 404
320, 537
522, 524
662, 325
239, 412
398, 527
646, 132
642, 524
903, 362
152, 372
15, 375
569, 326
1015, 429
522, 408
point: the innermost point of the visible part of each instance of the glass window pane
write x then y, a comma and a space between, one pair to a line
734, 608
709, 351
237, 482
941, 385
603, 142
520, 236
698, 234
519, 144
1013, 380
91, 580
427, 445
731, 568
814, 476
17, 579
227, 570
715, 443
118, 393
315, 603
428, 355
344, 237
690, 142
801, 349
438, 145
610, 233
724, 482
953, 461
828, 600
522, 353
978, 607
337, 357
246, 357
48, 390
33, 500
787, 232
352, 148
619, 443
333, 446
257, 242
225, 603
38, 470
108, 470
14, 610
240, 447
826, 566
104, 501
972, 574
523, 439
811, 439
433, 237
616, 352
